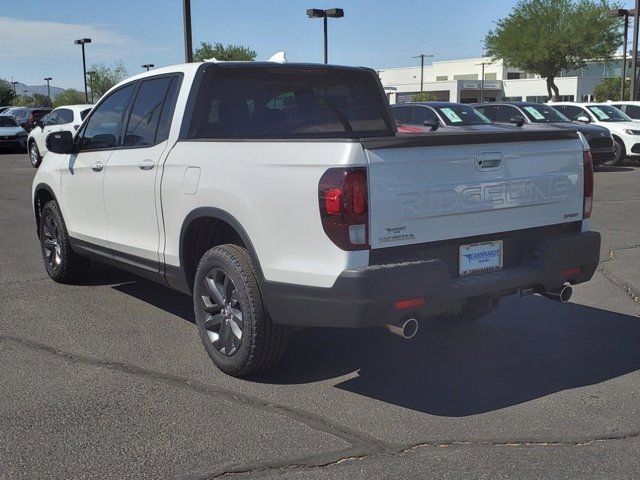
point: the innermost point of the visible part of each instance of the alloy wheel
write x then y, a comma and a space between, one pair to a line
51, 242
224, 321
33, 154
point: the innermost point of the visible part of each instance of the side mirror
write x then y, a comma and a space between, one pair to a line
517, 120
583, 119
433, 124
60, 142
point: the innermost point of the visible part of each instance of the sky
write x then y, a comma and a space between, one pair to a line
36, 36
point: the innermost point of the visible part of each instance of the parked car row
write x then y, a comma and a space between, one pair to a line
611, 133
27, 117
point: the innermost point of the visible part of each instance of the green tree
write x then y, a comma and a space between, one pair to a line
23, 101
425, 97
218, 51
69, 97
547, 36
40, 100
6, 93
609, 89
102, 77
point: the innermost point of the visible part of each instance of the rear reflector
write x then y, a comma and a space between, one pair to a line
587, 205
570, 272
411, 303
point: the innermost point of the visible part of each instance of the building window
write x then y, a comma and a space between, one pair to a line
491, 76
515, 75
512, 99
442, 78
466, 76
489, 99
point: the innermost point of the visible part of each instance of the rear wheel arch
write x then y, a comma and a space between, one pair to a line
205, 228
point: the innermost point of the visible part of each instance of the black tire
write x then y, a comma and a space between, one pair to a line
34, 154
619, 152
227, 273
62, 264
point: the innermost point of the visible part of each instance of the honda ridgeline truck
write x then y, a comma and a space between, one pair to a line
279, 195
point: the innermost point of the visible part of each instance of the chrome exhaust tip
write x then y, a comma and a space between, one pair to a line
562, 295
406, 329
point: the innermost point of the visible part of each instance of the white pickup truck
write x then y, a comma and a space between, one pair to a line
280, 195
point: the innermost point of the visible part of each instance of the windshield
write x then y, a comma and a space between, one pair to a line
460, 115
7, 121
288, 102
544, 114
607, 113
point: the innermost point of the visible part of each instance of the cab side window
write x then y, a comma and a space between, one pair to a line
489, 111
422, 114
402, 114
104, 128
145, 113
506, 113
572, 112
64, 116
52, 119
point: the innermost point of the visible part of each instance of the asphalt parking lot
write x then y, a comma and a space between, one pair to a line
109, 379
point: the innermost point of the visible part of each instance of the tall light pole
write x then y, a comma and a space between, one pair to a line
186, 19
422, 56
482, 80
148, 66
325, 15
623, 12
82, 41
14, 87
48, 79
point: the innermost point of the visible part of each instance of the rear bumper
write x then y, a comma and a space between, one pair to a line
14, 143
366, 297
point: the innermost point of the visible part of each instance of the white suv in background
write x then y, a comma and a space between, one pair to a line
625, 132
62, 118
631, 109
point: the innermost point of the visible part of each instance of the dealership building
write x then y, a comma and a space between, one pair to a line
460, 81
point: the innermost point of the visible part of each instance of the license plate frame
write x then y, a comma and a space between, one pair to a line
481, 257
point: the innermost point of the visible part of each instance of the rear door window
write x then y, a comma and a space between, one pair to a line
288, 102
65, 115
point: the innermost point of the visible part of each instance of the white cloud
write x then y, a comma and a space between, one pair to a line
32, 39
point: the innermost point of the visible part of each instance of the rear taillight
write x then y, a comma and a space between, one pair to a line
587, 204
343, 197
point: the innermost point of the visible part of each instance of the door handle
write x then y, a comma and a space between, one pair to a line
146, 164
97, 167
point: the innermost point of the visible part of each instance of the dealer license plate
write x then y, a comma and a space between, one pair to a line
480, 257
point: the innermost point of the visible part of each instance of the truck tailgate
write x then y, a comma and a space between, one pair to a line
432, 187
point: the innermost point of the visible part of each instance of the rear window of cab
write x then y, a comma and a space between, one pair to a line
288, 102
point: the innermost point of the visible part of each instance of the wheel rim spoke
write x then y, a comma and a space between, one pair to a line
213, 321
224, 320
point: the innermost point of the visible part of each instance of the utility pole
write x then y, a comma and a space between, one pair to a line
483, 63
48, 79
325, 15
624, 13
634, 60
188, 43
422, 56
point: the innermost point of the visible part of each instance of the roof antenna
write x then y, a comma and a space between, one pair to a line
279, 57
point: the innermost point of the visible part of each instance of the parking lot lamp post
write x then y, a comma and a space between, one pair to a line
622, 12
325, 15
482, 80
48, 79
422, 56
14, 88
82, 41
188, 43
148, 66
634, 59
